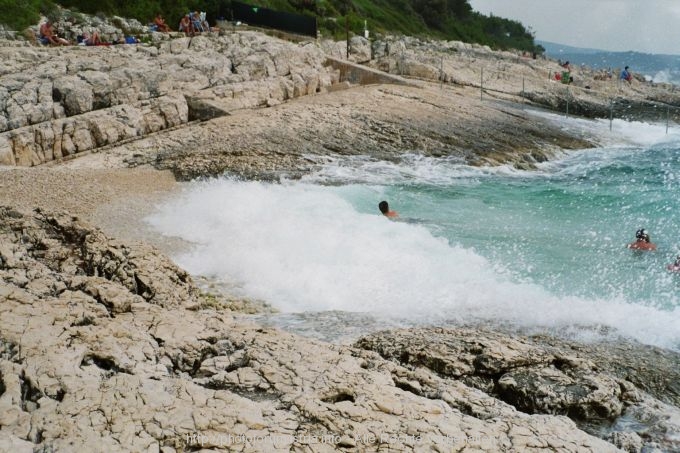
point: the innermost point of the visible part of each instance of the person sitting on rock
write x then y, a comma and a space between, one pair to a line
186, 26
642, 241
48, 36
160, 24
196, 22
385, 210
204, 22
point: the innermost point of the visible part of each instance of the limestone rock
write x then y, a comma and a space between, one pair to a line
531, 378
553, 391
98, 350
86, 98
75, 94
360, 49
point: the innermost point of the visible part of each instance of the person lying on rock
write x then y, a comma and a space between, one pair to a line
90, 39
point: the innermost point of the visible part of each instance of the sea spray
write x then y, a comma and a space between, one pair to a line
535, 249
307, 247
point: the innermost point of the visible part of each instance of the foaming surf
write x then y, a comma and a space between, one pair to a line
410, 169
307, 248
671, 76
617, 132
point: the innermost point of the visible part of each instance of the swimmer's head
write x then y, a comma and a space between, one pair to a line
642, 235
384, 207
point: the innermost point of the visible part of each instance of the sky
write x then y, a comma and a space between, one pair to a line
651, 26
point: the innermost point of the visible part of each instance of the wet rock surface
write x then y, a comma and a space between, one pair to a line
545, 378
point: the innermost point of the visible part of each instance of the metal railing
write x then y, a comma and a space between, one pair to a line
522, 79
618, 99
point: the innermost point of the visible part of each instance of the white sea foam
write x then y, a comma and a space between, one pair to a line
622, 133
665, 76
302, 247
625, 138
410, 169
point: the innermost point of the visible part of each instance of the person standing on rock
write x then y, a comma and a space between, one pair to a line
626, 75
385, 210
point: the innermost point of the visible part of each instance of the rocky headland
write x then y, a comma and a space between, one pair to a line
106, 345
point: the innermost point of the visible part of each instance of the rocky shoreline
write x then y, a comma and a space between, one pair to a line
105, 344
110, 345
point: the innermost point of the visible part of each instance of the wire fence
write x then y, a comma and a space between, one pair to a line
591, 93
608, 98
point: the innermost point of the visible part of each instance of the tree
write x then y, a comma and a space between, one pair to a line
460, 9
433, 12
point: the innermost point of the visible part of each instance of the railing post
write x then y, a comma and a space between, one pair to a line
401, 63
347, 32
523, 93
481, 86
611, 113
441, 73
668, 118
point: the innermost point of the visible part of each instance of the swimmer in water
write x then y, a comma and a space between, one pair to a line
385, 209
642, 241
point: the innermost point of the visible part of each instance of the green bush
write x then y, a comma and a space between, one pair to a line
20, 14
444, 19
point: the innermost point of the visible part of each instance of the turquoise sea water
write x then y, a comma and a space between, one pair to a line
543, 249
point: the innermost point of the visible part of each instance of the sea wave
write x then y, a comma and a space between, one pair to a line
305, 248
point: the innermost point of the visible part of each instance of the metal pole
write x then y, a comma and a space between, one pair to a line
347, 31
401, 66
481, 86
668, 117
611, 113
523, 92
347, 3
567, 102
441, 74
